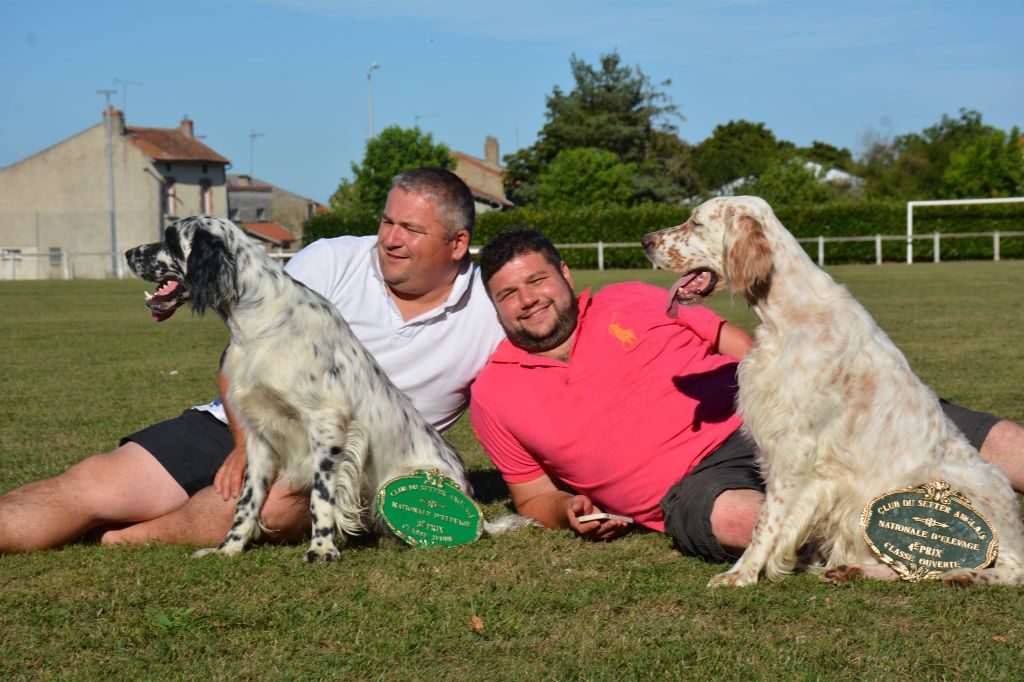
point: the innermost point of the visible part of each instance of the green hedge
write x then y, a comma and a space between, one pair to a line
334, 223
835, 219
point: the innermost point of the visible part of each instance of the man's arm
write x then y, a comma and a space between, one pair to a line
733, 341
228, 480
540, 499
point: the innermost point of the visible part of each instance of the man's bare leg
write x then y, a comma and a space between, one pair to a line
1004, 447
205, 519
126, 485
734, 516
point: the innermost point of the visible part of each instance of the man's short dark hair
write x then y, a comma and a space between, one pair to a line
455, 207
511, 243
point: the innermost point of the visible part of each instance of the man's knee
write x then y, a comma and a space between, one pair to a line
1004, 447
286, 514
734, 516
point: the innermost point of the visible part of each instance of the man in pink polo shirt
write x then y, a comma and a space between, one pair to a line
608, 396
605, 403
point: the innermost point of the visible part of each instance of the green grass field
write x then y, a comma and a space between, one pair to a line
83, 365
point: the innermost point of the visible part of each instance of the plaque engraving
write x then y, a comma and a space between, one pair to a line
925, 531
427, 508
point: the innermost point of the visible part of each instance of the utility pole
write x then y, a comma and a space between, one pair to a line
252, 137
115, 251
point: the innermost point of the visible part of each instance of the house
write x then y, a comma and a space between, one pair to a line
55, 219
270, 235
280, 213
484, 177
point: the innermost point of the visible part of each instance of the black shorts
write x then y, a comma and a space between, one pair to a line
687, 505
191, 447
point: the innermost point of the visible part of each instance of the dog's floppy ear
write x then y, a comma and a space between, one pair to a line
209, 273
748, 259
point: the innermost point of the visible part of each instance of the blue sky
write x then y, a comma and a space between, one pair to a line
296, 70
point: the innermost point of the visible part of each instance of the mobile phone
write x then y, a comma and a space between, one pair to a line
603, 517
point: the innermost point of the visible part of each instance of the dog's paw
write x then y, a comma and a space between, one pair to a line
199, 553
962, 577
840, 575
223, 550
732, 579
321, 555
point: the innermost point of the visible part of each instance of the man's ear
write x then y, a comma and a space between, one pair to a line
748, 259
568, 275
459, 245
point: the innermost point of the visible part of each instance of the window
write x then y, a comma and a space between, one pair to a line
170, 198
259, 214
55, 256
233, 214
206, 196
167, 167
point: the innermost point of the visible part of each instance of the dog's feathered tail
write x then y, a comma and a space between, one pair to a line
349, 511
509, 523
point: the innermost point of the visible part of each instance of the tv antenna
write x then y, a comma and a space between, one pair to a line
124, 99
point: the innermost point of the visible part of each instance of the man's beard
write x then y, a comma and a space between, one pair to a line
565, 325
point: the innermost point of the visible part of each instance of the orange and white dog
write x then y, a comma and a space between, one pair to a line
836, 413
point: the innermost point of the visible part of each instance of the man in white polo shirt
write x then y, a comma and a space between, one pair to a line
411, 295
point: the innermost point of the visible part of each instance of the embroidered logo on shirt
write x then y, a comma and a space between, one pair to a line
626, 337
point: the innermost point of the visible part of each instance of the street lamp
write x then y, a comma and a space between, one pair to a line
369, 91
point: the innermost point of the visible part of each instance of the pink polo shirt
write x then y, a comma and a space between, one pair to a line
641, 401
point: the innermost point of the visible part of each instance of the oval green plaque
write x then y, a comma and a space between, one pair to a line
925, 531
426, 509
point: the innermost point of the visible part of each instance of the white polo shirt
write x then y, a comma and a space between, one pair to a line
434, 357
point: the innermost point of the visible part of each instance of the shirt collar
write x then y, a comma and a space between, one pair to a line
460, 288
506, 353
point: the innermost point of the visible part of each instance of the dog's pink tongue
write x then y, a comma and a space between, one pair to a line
673, 301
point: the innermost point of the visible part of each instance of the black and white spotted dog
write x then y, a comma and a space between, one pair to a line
317, 409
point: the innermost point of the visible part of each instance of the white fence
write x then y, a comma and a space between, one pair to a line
936, 237
16, 265
952, 202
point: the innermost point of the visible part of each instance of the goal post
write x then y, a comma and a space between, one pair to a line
946, 202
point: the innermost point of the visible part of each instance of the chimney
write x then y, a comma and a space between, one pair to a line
186, 127
116, 120
491, 150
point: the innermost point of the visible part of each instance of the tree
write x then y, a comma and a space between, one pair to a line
913, 166
395, 150
612, 107
344, 196
828, 156
585, 176
737, 150
667, 173
991, 166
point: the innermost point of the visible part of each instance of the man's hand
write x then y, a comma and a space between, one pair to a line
228, 481
580, 505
